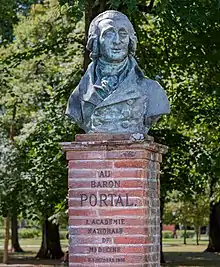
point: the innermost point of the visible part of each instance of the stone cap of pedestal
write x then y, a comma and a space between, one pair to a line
108, 142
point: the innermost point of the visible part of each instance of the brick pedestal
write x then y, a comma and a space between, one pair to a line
114, 213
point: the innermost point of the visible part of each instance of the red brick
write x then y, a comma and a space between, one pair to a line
134, 202
157, 166
81, 212
79, 183
76, 221
78, 231
85, 230
85, 259
130, 240
129, 221
101, 137
77, 259
107, 183
85, 155
107, 265
126, 154
90, 164
81, 173
74, 202
135, 165
131, 163
122, 212
135, 258
134, 249
89, 240
134, 221
135, 230
80, 249
129, 173
133, 183
73, 193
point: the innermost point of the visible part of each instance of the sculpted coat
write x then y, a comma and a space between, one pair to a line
120, 102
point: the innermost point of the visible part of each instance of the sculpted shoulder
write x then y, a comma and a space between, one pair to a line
157, 97
113, 95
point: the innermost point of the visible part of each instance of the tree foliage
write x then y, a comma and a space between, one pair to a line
42, 58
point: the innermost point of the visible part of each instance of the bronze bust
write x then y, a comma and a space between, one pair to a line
113, 96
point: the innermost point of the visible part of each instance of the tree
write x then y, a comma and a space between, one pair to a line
178, 44
11, 183
214, 229
187, 211
39, 85
9, 17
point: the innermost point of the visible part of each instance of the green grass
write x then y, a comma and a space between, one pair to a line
190, 255
188, 241
33, 243
176, 254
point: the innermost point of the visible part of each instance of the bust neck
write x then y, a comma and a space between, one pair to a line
111, 68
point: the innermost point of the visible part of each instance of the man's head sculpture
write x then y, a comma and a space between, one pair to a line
96, 31
113, 96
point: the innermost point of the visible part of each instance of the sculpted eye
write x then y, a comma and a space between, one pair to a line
123, 33
109, 33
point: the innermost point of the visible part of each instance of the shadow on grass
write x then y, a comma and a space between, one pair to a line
27, 259
182, 259
173, 259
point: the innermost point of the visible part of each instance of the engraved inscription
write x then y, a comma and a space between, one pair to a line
104, 174
128, 154
105, 249
104, 260
108, 200
105, 231
106, 240
105, 184
105, 222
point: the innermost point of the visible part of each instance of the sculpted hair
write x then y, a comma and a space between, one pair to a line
94, 33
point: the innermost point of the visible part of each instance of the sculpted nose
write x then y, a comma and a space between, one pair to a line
116, 39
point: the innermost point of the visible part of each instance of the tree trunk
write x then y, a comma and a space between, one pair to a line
162, 260
197, 235
214, 228
50, 245
184, 235
5, 253
15, 246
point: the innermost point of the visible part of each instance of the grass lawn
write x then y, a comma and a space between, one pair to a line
176, 254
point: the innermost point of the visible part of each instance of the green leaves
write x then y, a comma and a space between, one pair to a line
39, 70
11, 178
178, 44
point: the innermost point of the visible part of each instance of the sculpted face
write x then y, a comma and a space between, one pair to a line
114, 40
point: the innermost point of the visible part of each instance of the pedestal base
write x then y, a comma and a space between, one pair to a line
114, 212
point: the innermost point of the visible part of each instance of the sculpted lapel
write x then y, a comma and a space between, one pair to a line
90, 93
125, 91
136, 102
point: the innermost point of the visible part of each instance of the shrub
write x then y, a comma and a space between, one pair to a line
180, 234
188, 234
29, 233
167, 234
63, 235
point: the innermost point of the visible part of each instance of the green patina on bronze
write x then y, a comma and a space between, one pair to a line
113, 96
